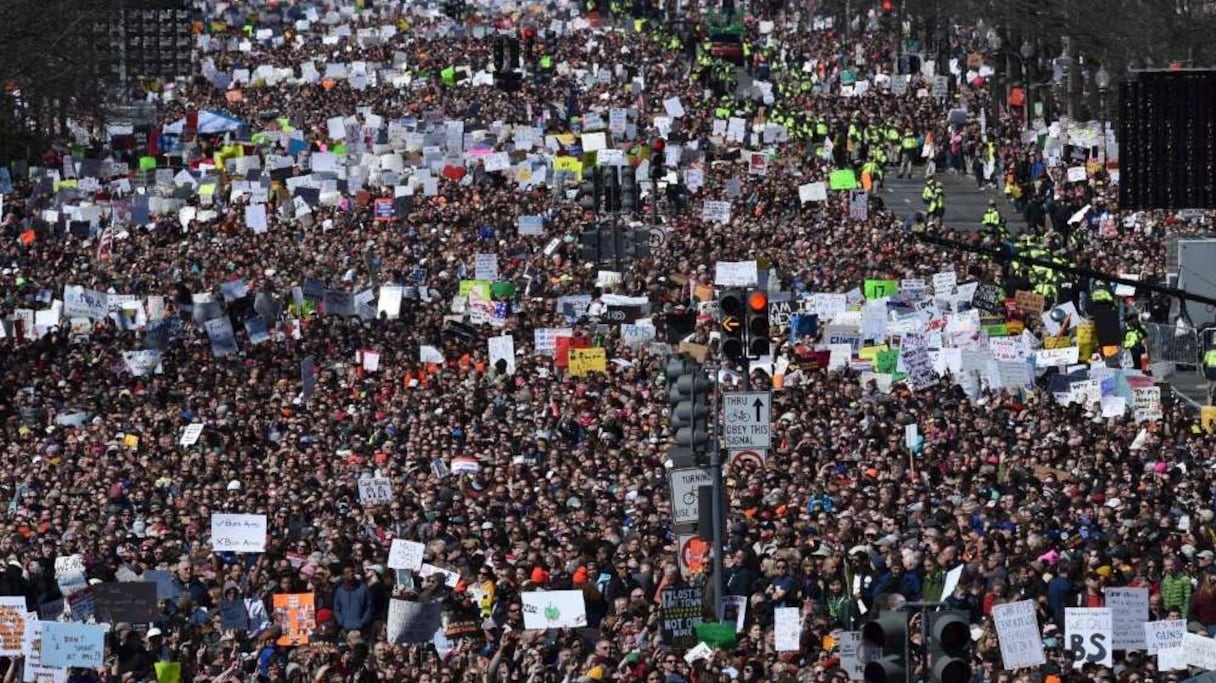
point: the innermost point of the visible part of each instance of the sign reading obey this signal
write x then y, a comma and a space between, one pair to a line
747, 420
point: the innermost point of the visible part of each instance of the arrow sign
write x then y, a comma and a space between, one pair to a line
730, 323
747, 418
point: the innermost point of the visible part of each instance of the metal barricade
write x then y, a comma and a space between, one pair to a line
1172, 345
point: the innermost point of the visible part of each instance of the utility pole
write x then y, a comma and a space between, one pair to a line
1070, 75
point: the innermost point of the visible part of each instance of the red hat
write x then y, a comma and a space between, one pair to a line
580, 576
539, 575
324, 614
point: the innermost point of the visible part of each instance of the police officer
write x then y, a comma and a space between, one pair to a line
1134, 339
993, 223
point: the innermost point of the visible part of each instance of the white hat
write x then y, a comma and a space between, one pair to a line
154, 632
234, 485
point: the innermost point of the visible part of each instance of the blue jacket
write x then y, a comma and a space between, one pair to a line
352, 606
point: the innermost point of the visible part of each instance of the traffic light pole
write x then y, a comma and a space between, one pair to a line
717, 509
923, 608
717, 474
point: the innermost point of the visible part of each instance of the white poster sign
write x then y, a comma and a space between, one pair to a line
375, 490
787, 629
403, 554
554, 609
238, 533
1088, 632
1129, 611
1017, 631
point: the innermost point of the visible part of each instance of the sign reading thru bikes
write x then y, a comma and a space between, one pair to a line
747, 418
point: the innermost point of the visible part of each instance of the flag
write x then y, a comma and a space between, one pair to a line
105, 244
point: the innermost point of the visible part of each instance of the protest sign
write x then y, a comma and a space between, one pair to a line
554, 609
403, 554
1199, 651
502, 353
680, 610
715, 211
13, 617
1163, 635
67, 644
134, 602
1088, 635
238, 533
787, 629
586, 361
1017, 630
736, 274
295, 615
413, 623
375, 490
812, 192
1129, 611
1164, 639
191, 434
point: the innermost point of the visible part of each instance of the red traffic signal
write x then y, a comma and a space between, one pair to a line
887, 5
758, 302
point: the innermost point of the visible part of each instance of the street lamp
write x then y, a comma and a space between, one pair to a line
1027, 52
1102, 80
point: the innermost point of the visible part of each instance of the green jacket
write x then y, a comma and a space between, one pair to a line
1176, 593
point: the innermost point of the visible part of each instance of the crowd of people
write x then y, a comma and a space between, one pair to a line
517, 474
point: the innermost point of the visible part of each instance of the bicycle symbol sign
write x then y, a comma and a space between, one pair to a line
747, 418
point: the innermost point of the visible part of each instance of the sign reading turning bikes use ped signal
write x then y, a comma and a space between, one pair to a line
684, 485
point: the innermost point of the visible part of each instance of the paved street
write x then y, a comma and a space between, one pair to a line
965, 204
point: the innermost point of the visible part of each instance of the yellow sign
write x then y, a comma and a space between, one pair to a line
569, 164
585, 361
1087, 340
870, 353
1207, 417
479, 288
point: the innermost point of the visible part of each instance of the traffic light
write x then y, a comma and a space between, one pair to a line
635, 244
949, 647
612, 189
591, 191
589, 246
629, 190
886, 635
688, 390
730, 304
658, 158
757, 324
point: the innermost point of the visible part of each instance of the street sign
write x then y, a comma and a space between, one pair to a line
747, 419
684, 485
